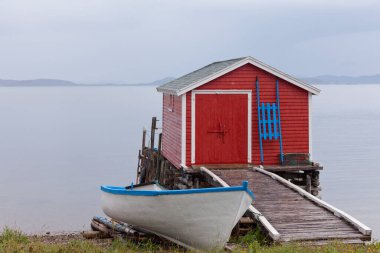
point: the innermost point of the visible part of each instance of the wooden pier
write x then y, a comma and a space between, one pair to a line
287, 207
288, 213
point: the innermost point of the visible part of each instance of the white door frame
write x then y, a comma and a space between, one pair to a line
247, 92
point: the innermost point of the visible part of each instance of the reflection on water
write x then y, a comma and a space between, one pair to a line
57, 145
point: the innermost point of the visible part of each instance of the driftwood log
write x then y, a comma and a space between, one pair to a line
107, 228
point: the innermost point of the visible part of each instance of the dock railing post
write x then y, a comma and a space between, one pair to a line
159, 143
143, 139
140, 157
153, 132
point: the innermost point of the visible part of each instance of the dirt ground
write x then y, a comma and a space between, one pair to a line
66, 238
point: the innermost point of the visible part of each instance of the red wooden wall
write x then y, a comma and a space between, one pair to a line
293, 104
171, 128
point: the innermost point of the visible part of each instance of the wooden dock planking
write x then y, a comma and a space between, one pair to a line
279, 168
295, 217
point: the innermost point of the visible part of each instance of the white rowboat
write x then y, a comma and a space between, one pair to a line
194, 218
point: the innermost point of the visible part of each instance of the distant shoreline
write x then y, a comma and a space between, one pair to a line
64, 83
145, 85
319, 80
78, 85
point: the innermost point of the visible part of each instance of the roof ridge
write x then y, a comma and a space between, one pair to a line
204, 67
213, 70
234, 59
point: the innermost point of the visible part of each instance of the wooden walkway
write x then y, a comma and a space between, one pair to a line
292, 213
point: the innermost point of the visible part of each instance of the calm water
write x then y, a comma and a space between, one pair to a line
57, 145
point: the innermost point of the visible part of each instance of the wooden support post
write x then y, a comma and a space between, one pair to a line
159, 143
308, 183
159, 175
140, 162
165, 174
138, 168
154, 166
143, 139
315, 178
158, 158
153, 132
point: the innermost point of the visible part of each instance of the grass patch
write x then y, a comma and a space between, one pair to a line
10, 235
145, 246
253, 236
12, 241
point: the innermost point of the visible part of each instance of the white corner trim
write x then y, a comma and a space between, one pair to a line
183, 130
273, 233
249, 134
254, 62
192, 127
337, 212
249, 119
310, 126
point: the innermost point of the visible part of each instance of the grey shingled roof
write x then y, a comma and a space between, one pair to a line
184, 81
198, 77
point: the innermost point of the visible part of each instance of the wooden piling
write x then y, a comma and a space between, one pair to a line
140, 161
159, 143
138, 167
308, 182
153, 132
143, 139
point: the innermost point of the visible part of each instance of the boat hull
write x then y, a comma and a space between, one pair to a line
202, 220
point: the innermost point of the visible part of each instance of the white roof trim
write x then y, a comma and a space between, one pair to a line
313, 90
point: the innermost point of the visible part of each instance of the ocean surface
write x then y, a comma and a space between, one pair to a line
59, 144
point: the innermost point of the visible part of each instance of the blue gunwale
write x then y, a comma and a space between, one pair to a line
117, 190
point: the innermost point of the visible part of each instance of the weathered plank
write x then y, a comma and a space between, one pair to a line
273, 233
294, 216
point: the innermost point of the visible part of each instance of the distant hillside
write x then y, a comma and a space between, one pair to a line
56, 82
331, 79
36, 82
322, 79
159, 82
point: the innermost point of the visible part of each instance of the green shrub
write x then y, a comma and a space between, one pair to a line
10, 235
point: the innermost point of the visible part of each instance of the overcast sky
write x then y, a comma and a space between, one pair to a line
141, 41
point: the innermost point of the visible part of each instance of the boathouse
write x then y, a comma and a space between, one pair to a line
239, 111
243, 120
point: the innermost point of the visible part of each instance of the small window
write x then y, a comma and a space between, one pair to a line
171, 103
